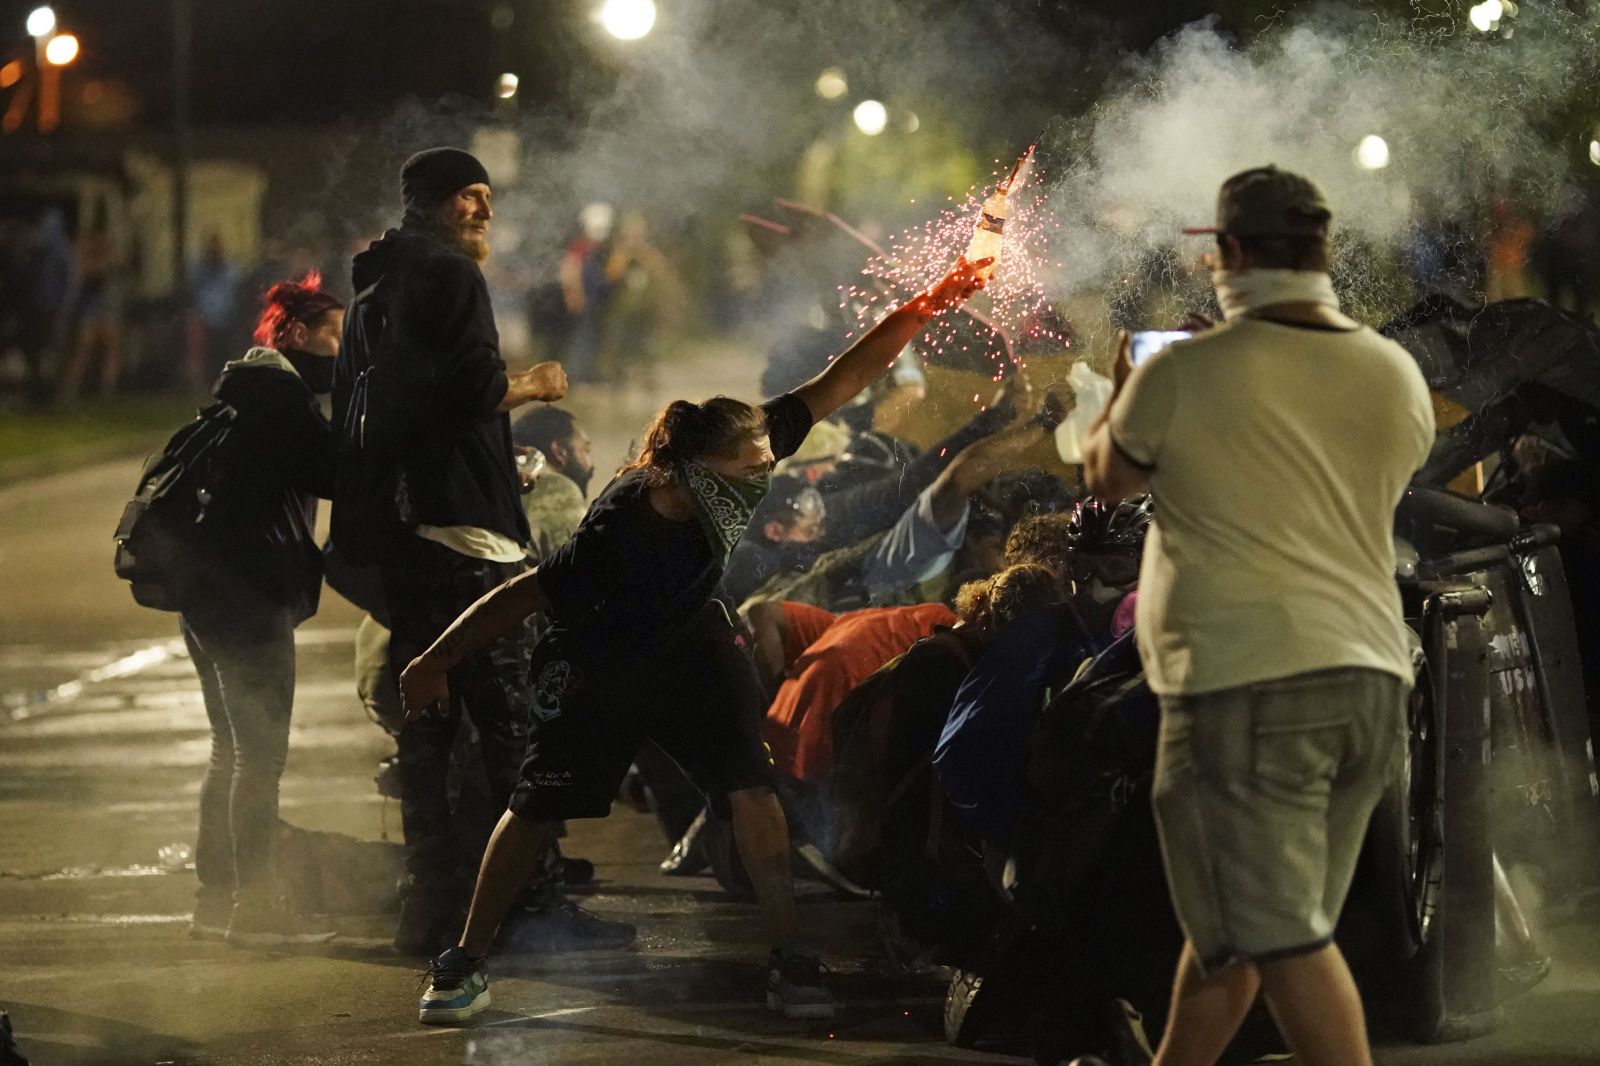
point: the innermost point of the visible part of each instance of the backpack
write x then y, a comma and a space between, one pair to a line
867, 782
1092, 757
160, 539
369, 499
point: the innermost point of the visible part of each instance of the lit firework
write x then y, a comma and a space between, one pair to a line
918, 257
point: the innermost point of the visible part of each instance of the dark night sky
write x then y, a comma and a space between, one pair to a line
322, 61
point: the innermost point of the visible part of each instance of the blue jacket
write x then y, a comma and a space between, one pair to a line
983, 752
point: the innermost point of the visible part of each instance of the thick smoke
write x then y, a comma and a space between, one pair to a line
711, 115
1465, 117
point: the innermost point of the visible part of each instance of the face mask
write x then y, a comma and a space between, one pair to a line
315, 370
723, 505
1240, 292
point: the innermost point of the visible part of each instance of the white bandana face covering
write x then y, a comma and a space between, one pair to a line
1243, 291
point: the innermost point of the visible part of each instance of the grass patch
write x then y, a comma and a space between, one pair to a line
41, 442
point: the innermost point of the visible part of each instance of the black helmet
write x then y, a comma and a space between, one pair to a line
1099, 528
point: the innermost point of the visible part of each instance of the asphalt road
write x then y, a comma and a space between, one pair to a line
102, 745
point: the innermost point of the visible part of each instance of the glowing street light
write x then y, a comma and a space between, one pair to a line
1372, 153
1486, 17
41, 22
871, 117
61, 49
507, 87
1594, 152
831, 84
628, 20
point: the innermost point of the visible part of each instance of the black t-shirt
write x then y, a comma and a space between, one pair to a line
628, 575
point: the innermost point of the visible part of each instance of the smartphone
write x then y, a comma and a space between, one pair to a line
1148, 342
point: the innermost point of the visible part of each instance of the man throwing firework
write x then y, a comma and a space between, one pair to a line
1276, 447
640, 646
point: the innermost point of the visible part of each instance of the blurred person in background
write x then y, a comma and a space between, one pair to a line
588, 276
213, 289
1566, 257
97, 310
44, 291
646, 307
262, 577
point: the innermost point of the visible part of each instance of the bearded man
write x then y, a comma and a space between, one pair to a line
465, 530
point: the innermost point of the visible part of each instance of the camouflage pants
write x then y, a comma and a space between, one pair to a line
428, 586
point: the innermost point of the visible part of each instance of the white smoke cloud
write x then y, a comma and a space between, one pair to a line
1460, 112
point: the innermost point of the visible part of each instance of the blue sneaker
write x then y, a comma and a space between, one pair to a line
458, 988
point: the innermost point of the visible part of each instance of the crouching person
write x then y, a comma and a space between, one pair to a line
260, 575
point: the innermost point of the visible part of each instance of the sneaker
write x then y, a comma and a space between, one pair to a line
573, 871
269, 923
1131, 1045
458, 988
794, 983
563, 926
688, 857
213, 909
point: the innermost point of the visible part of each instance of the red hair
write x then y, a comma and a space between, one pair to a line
289, 302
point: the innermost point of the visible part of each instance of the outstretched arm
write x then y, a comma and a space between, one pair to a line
869, 358
423, 684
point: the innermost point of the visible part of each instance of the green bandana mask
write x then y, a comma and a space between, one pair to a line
724, 505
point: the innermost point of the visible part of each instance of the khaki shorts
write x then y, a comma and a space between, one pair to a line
1262, 796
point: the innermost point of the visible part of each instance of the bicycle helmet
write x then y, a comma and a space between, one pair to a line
1102, 529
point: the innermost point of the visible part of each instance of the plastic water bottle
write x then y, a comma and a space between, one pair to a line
988, 233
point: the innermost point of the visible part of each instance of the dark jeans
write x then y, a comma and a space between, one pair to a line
427, 586
245, 660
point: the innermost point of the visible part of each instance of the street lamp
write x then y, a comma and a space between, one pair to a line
61, 49
41, 22
628, 20
831, 84
1372, 153
871, 117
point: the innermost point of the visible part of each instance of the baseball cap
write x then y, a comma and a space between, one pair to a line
1268, 202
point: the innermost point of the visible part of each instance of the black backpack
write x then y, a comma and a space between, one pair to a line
161, 537
878, 766
1092, 755
369, 499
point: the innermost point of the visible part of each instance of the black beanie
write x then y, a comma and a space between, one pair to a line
428, 177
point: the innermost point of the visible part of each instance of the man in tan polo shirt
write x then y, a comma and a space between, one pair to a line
1276, 447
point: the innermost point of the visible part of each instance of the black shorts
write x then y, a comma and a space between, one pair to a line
698, 698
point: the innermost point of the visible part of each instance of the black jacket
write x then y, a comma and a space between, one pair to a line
441, 344
279, 458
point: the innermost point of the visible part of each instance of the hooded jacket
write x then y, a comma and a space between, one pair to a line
280, 457
443, 349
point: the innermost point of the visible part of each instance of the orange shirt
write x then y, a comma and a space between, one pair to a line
799, 726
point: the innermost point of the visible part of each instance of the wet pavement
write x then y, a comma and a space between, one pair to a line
102, 744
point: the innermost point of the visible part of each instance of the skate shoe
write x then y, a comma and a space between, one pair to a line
270, 923
457, 989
